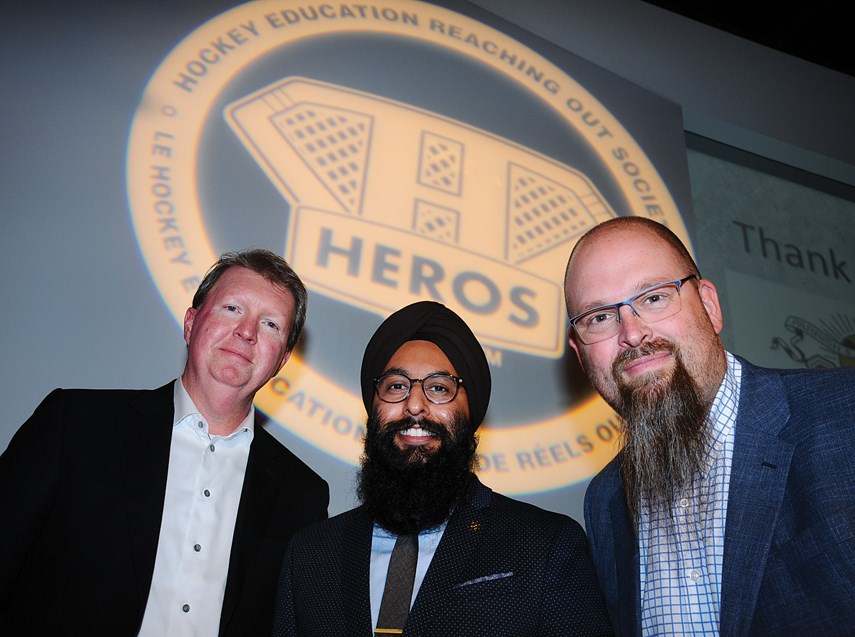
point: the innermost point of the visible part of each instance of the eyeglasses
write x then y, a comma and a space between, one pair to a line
652, 304
438, 388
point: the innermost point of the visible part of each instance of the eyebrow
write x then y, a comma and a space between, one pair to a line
404, 372
639, 287
241, 299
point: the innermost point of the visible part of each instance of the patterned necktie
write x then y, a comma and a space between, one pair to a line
395, 605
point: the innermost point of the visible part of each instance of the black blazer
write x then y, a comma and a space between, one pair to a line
82, 485
502, 568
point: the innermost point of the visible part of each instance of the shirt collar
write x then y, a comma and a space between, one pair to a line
722, 416
184, 408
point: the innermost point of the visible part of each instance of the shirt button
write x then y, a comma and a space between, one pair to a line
200, 424
212, 447
197, 547
684, 502
207, 493
695, 576
186, 608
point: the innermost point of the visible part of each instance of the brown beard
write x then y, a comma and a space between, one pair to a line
410, 490
665, 437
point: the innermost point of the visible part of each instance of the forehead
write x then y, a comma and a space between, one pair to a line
613, 265
420, 358
242, 282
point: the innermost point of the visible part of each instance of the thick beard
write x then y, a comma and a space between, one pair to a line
665, 436
407, 491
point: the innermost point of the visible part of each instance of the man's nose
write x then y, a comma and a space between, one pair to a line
634, 330
247, 329
416, 403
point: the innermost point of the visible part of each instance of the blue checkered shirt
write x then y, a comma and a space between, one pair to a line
681, 558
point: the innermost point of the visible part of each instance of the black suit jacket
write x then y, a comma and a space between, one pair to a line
502, 568
82, 485
789, 546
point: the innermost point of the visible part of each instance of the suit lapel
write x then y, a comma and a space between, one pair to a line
626, 565
147, 435
761, 463
259, 494
356, 566
454, 556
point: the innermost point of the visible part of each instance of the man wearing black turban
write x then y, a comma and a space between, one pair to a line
479, 563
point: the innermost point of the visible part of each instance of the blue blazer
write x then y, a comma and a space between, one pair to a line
789, 548
502, 568
81, 499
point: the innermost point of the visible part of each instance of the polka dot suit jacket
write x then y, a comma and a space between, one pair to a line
502, 568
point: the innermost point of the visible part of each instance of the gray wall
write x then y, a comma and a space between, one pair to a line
730, 89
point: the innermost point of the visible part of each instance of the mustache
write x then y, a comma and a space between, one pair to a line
645, 349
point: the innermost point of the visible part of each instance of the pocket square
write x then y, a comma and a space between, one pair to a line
485, 578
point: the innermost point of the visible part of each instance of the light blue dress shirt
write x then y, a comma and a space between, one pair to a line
382, 543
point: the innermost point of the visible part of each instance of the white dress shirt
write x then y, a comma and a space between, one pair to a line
203, 489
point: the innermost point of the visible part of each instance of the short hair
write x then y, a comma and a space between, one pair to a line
641, 224
273, 268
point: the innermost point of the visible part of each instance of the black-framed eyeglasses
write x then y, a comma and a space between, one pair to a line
439, 388
652, 304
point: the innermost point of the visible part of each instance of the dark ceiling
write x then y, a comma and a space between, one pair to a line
816, 30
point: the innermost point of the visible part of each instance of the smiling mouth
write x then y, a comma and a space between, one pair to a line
416, 437
238, 354
636, 361
643, 361
416, 433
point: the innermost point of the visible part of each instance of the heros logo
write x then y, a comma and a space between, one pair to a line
388, 203
495, 216
382, 269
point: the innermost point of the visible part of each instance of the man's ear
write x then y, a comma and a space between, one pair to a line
189, 317
283, 361
574, 342
709, 298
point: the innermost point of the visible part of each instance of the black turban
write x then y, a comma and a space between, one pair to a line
430, 321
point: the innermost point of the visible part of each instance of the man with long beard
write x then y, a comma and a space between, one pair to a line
730, 508
432, 551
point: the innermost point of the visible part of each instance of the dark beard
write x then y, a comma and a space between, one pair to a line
665, 436
412, 490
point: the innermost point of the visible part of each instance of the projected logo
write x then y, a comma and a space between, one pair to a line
414, 206
328, 133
